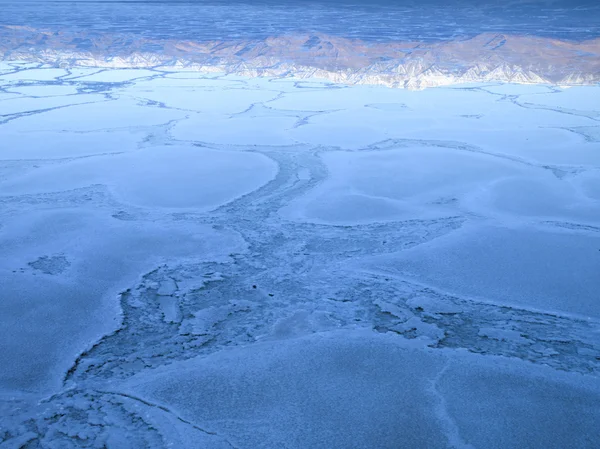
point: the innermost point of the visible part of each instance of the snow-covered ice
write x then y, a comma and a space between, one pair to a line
158, 177
44, 145
34, 74
543, 268
215, 261
62, 270
237, 130
402, 182
92, 114
116, 75
359, 389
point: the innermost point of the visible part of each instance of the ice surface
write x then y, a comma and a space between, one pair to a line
535, 407
356, 389
161, 177
54, 313
44, 90
219, 98
237, 130
323, 99
569, 100
348, 390
216, 261
40, 145
43, 74
537, 194
116, 76
96, 114
20, 105
590, 184
545, 269
395, 184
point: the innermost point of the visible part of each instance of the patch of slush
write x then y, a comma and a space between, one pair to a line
159, 177
535, 267
53, 318
50, 264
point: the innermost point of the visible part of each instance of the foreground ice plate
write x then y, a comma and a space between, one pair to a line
360, 389
219, 261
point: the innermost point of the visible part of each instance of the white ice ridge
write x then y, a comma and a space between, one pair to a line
412, 65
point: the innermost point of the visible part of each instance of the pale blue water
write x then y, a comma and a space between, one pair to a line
428, 20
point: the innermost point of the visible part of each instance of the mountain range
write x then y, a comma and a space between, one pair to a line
521, 59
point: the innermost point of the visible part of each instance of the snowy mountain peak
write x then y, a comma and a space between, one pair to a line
413, 65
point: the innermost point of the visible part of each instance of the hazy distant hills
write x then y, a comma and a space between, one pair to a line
413, 65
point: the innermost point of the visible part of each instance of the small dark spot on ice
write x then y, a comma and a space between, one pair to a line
254, 286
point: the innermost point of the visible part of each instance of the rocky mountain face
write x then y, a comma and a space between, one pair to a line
412, 65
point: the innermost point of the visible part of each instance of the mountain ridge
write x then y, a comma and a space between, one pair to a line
414, 65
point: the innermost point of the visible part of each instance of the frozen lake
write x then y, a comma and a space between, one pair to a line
213, 261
